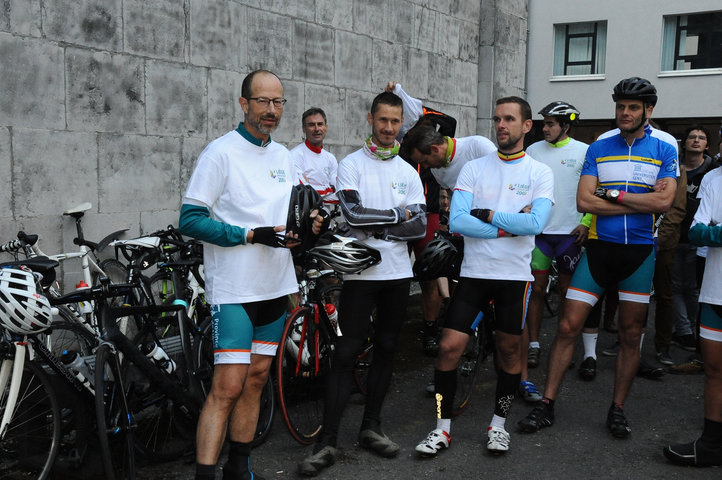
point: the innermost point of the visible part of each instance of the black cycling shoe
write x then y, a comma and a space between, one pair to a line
697, 453
430, 345
617, 422
542, 416
588, 369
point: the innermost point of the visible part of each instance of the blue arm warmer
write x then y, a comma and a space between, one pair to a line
525, 223
460, 221
195, 221
705, 235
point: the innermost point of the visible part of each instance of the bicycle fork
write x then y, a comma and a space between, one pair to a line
11, 369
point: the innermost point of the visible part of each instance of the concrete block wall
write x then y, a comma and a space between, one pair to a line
111, 101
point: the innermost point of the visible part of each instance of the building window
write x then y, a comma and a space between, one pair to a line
692, 42
580, 48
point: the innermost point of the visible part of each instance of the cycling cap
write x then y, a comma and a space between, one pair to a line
304, 199
22, 309
345, 255
635, 88
565, 110
436, 260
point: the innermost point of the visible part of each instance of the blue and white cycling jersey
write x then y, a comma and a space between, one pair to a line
633, 169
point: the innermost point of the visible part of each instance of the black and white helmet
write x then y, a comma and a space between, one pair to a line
436, 260
635, 88
23, 307
564, 112
345, 255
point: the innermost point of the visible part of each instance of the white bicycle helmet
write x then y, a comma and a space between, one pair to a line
345, 255
22, 309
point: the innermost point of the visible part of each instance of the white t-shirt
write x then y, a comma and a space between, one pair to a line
249, 186
566, 163
710, 210
316, 169
467, 149
704, 184
502, 187
413, 110
383, 185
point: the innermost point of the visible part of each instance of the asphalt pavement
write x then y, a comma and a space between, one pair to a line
578, 445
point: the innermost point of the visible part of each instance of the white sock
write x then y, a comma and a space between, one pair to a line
497, 421
590, 345
444, 424
534, 345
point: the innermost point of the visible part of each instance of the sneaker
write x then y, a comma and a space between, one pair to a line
617, 422
612, 350
532, 357
685, 342
430, 345
697, 453
542, 416
588, 369
378, 443
499, 440
313, 464
529, 392
665, 358
690, 367
434, 441
645, 370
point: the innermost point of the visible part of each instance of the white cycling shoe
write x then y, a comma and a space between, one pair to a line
434, 441
499, 440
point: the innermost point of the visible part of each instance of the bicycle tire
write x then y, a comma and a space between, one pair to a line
68, 334
265, 414
467, 372
300, 382
30, 443
114, 420
114, 270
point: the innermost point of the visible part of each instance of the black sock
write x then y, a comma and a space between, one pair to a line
238, 453
205, 472
506, 387
548, 402
445, 384
430, 329
712, 432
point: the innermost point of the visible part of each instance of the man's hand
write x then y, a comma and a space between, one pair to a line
660, 185
581, 232
319, 218
526, 209
269, 236
390, 86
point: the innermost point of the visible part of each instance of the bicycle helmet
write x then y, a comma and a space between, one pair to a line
563, 111
436, 260
344, 254
22, 308
304, 199
635, 88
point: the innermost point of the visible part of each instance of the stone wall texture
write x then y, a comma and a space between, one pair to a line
111, 101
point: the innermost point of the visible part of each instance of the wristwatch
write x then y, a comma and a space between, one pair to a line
612, 195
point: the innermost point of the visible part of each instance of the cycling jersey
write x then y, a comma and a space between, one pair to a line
634, 169
318, 168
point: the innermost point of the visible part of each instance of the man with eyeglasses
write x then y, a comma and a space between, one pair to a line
316, 165
237, 202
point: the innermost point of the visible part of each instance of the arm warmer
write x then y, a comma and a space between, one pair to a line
701, 235
461, 221
195, 221
412, 229
525, 223
360, 217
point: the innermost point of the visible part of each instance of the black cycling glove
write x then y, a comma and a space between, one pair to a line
481, 213
268, 236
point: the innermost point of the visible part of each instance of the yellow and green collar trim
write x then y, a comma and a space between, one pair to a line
450, 151
511, 156
561, 143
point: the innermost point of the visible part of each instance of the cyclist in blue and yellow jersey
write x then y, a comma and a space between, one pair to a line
237, 202
627, 179
489, 205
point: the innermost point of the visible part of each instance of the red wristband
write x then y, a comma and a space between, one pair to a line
621, 196
501, 233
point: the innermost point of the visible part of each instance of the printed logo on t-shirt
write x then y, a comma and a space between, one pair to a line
519, 188
645, 174
400, 187
279, 174
569, 162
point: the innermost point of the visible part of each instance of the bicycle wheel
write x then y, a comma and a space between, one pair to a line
301, 375
265, 414
30, 442
467, 373
68, 334
115, 421
114, 270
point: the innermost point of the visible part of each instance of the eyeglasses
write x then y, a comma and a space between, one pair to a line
265, 101
696, 137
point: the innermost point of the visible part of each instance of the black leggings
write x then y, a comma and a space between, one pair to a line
358, 299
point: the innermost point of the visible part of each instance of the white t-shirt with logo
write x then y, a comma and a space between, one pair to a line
502, 187
316, 169
249, 186
710, 211
382, 185
566, 163
467, 149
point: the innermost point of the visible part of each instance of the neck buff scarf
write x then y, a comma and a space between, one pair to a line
312, 148
382, 153
450, 151
509, 157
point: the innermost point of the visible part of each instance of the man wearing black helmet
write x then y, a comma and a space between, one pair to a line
626, 180
564, 234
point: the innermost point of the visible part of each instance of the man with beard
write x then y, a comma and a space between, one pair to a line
626, 180
490, 197
382, 200
237, 202
314, 164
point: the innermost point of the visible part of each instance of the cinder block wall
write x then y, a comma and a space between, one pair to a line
111, 101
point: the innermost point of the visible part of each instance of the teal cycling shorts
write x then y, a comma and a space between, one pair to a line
242, 329
710, 322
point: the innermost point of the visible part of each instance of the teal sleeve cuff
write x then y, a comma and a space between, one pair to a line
195, 221
704, 235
